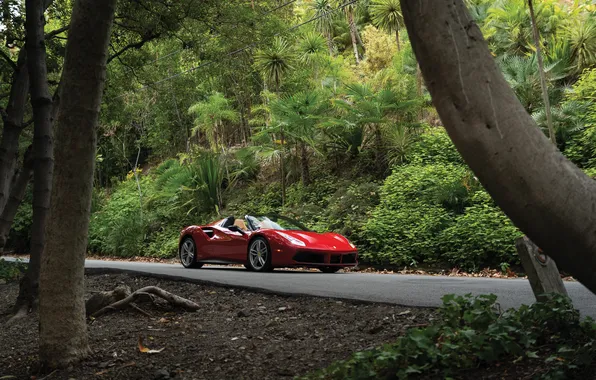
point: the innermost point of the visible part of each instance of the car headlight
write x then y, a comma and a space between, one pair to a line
292, 239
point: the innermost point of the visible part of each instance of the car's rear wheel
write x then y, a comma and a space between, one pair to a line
187, 254
259, 255
329, 269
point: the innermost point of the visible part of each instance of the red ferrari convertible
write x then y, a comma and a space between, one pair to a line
262, 243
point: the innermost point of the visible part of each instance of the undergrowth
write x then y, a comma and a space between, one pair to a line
472, 334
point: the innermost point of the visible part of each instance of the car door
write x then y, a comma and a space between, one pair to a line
227, 245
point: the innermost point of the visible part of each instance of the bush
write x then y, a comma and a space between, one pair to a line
434, 146
437, 214
416, 205
19, 236
472, 334
482, 236
12, 270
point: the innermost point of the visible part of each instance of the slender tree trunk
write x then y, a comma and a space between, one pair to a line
397, 40
329, 39
282, 170
543, 193
353, 34
43, 163
545, 99
63, 329
13, 125
305, 165
16, 197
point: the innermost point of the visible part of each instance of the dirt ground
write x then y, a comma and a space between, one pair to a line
236, 334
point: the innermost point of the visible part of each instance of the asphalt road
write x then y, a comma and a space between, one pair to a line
408, 290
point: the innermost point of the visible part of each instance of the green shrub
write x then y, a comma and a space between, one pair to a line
472, 334
434, 146
404, 236
417, 203
349, 208
437, 214
20, 234
482, 236
11, 270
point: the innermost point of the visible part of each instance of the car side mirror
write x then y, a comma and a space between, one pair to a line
236, 229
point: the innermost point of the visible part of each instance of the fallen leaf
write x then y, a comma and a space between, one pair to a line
101, 372
147, 350
404, 312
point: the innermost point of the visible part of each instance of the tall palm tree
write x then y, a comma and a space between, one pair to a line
274, 62
545, 99
299, 116
349, 8
386, 15
210, 117
323, 14
312, 52
363, 108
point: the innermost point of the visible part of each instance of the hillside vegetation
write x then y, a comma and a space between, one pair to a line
324, 118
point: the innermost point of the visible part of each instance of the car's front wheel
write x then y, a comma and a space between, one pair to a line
329, 269
259, 255
187, 254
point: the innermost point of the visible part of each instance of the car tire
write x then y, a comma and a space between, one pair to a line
259, 255
329, 269
188, 254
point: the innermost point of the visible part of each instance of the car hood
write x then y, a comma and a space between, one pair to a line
315, 240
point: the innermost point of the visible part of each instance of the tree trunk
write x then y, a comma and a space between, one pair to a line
353, 33
282, 169
329, 39
545, 99
397, 40
543, 193
63, 330
43, 164
16, 197
13, 125
304, 164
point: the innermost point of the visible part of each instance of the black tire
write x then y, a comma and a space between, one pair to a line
188, 253
329, 269
255, 261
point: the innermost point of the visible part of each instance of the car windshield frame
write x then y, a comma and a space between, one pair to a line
274, 221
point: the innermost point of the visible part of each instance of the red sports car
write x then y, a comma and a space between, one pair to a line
262, 243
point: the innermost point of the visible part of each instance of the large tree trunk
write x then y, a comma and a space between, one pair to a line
43, 164
304, 164
543, 193
353, 34
13, 125
17, 193
545, 99
63, 331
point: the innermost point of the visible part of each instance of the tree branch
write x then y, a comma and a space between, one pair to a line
137, 45
7, 59
54, 33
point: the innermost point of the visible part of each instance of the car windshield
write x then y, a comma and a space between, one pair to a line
275, 222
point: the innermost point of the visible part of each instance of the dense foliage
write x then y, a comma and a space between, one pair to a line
315, 109
472, 333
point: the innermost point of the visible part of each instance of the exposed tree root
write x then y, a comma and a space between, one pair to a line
94, 312
19, 314
99, 300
